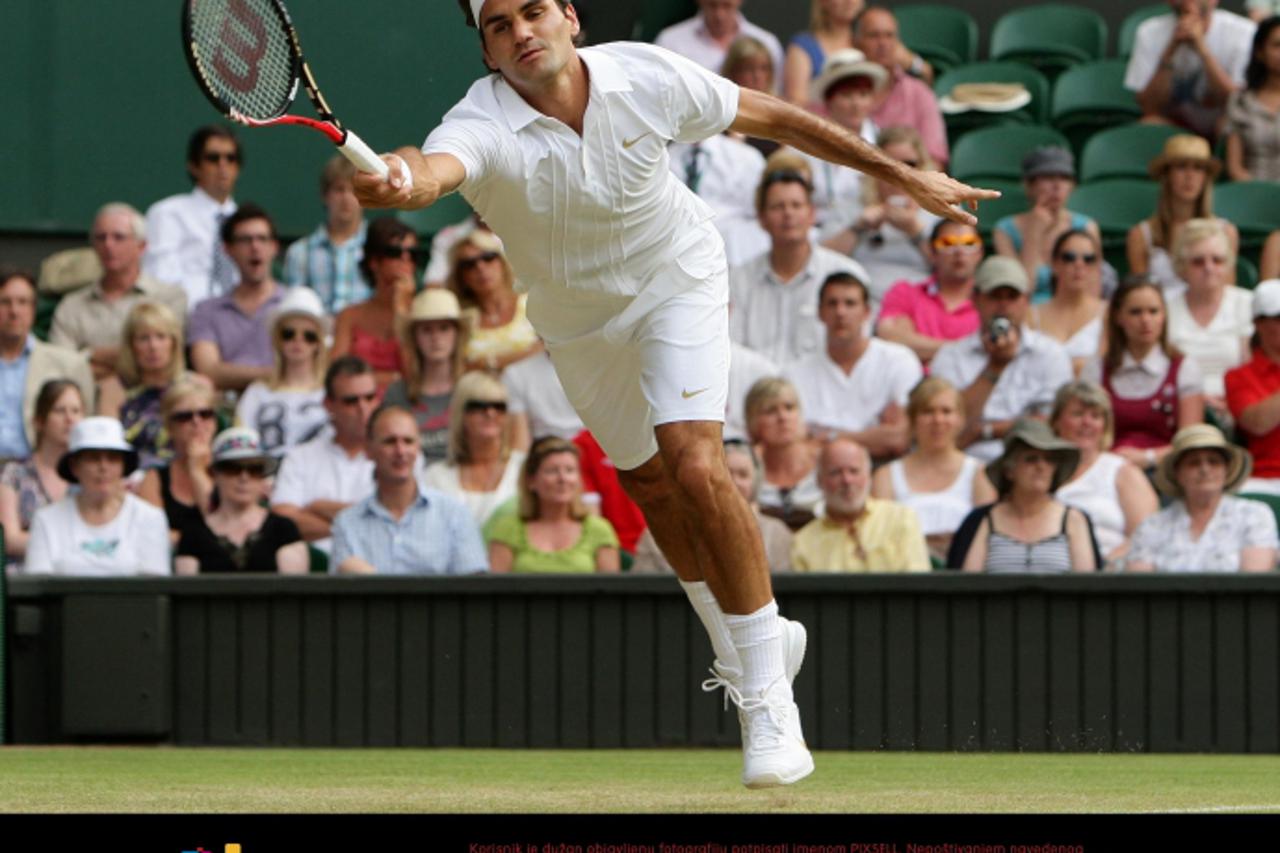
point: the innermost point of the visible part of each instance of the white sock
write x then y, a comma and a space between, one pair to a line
708, 610
758, 639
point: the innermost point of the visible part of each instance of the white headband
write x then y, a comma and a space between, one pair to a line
476, 6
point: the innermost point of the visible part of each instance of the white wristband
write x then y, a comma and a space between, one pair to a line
406, 174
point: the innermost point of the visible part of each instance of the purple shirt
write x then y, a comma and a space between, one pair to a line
911, 103
240, 338
924, 307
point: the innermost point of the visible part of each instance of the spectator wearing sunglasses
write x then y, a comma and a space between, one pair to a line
482, 278
1211, 321
1073, 314
230, 343
287, 408
324, 476
926, 315
367, 329
183, 242
482, 469
1048, 177
236, 533
181, 486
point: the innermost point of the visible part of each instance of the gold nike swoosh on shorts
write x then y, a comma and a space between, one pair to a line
687, 394
627, 143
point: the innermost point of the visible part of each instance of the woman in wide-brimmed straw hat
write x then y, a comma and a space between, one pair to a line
101, 529
1185, 169
1205, 529
433, 338
1027, 529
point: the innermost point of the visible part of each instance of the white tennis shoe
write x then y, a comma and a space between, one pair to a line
773, 747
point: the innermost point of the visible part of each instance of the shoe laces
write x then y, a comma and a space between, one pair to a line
766, 720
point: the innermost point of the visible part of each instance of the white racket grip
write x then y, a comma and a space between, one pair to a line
364, 157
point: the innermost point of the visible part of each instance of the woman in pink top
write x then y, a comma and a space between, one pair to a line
368, 329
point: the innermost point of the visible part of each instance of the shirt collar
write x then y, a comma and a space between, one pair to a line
1155, 363
375, 508
206, 200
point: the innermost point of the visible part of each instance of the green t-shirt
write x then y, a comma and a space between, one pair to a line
578, 559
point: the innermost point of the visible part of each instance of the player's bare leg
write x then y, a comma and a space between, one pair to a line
686, 493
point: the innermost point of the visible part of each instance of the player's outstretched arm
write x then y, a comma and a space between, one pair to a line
763, 115
416, 180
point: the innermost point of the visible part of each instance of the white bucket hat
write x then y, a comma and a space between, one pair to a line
300, 302
97, 433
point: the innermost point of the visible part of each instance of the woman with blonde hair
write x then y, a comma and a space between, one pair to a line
482, 468
433, 337
151, 360
789, 489
1211, 321
1185, 169
183, 487
937, 479
1114, 492
830, 30
287, 409
749, 63
552, 531
484, 282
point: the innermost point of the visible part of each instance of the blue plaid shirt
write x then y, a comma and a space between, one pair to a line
333, 272
13, 385
435, 536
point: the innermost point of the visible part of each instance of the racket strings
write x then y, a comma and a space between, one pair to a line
245, 55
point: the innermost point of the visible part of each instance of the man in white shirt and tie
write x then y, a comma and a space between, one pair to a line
183, 246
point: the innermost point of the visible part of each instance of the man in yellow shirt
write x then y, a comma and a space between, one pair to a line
857, 533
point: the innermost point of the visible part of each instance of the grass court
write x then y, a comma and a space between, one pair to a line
175, 780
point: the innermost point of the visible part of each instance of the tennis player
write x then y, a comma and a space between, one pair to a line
563, 152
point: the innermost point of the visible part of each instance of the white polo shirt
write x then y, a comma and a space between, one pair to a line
831, 399
1026, 387
601, 212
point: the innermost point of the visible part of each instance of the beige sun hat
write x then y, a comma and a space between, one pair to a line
433, 303
844, 64
1185, 148
1029, 432
1199, 437
984, 98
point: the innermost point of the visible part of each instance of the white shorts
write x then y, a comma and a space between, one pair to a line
671, 365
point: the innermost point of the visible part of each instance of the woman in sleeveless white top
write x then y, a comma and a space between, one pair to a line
936, 479
1112, 491
1073, 314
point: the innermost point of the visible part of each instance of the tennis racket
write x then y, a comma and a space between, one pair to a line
247, 59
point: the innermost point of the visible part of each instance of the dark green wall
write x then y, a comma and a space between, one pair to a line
939, 662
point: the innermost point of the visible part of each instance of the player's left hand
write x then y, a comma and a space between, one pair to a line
943, 195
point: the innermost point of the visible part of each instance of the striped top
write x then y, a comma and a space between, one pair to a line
1051, 555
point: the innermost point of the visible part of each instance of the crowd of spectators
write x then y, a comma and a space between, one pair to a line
901, 398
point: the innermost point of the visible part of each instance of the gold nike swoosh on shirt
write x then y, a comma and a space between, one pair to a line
687, 394
627, 143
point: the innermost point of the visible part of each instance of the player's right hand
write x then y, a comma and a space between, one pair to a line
396, 191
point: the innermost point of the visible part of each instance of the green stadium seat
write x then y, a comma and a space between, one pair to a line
1123, 152
997, 152
1246, 273
1050, 36
1254, 207
1035, 112
1129, 26
947, 37
1013, 200
1116, 205
1091, 97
